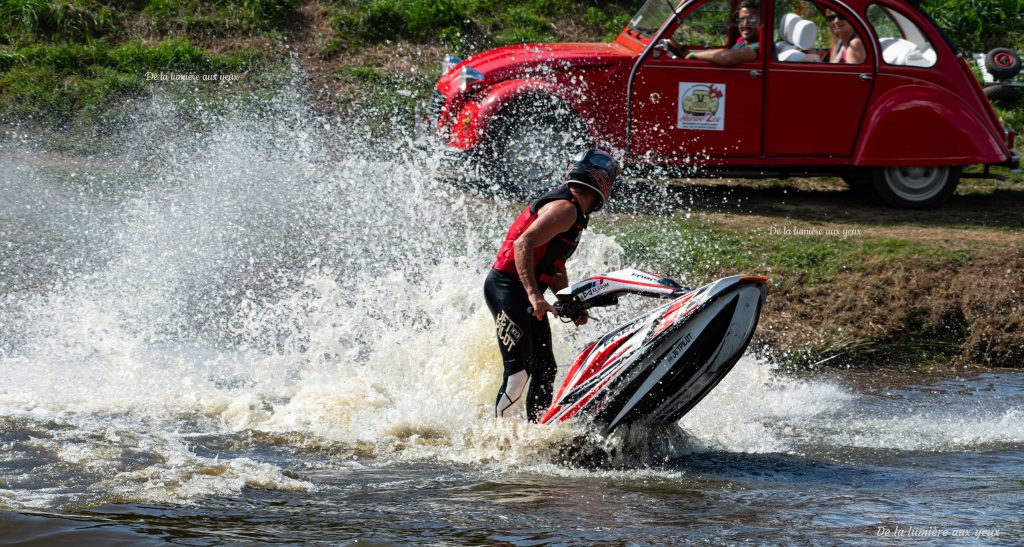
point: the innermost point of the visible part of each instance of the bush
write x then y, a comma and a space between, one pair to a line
42, 19
484, 22
978, 26
417, 20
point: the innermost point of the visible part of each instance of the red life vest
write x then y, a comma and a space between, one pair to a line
548, 259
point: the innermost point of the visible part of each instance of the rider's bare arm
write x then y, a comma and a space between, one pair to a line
559, 281
552, 219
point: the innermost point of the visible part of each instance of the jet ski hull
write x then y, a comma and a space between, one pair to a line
656, 368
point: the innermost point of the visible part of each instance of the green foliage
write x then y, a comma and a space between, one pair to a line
60, 59
980, 25
473, 24
701, 249
381, 20
43, 91
81, 20
524, 24
41, 19
218, 18
1014, 117
386, 101
58, 81
612, 23
134, 57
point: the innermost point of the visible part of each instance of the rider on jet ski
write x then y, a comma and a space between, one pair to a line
531, 260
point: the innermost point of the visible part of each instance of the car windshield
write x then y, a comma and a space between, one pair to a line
648, 20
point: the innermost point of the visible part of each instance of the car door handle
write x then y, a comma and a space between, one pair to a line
755, 73
866, 77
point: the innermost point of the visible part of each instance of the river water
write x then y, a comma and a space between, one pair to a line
249, 327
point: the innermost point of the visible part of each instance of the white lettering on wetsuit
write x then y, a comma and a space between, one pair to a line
508, 332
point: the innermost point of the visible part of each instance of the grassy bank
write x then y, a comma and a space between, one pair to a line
87, 83
852, 284
78, 63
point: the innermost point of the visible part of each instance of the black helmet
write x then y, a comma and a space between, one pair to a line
595, 169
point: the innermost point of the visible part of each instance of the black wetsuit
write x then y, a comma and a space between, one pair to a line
524, 341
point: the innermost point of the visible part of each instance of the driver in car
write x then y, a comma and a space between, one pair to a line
744, 50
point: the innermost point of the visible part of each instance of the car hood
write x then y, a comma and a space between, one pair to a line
536, 59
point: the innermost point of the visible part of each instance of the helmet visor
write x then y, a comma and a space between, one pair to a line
605, 162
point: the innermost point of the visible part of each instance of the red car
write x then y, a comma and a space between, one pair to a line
869, 90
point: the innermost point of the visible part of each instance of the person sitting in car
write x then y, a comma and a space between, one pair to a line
746, 47
847, 47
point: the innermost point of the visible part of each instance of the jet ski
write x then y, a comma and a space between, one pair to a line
655, 368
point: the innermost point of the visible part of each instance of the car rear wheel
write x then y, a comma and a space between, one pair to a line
530, 147
916, 187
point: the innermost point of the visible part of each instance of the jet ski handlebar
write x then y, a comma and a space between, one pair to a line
604, 290
572, 311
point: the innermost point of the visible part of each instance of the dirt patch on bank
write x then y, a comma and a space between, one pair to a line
887, 316
959, 301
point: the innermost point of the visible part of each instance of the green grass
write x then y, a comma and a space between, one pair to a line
1013, 116
27, 20
471, 24
698, 249
387, 102
218, 18
977, 26
77, 60
58, 82
381, 20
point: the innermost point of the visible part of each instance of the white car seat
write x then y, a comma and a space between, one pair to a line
898, 51
797, 34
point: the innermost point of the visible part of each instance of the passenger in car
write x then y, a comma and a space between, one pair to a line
746, 47
847, 47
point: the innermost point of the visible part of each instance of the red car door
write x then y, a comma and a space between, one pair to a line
813, 107
694, 110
